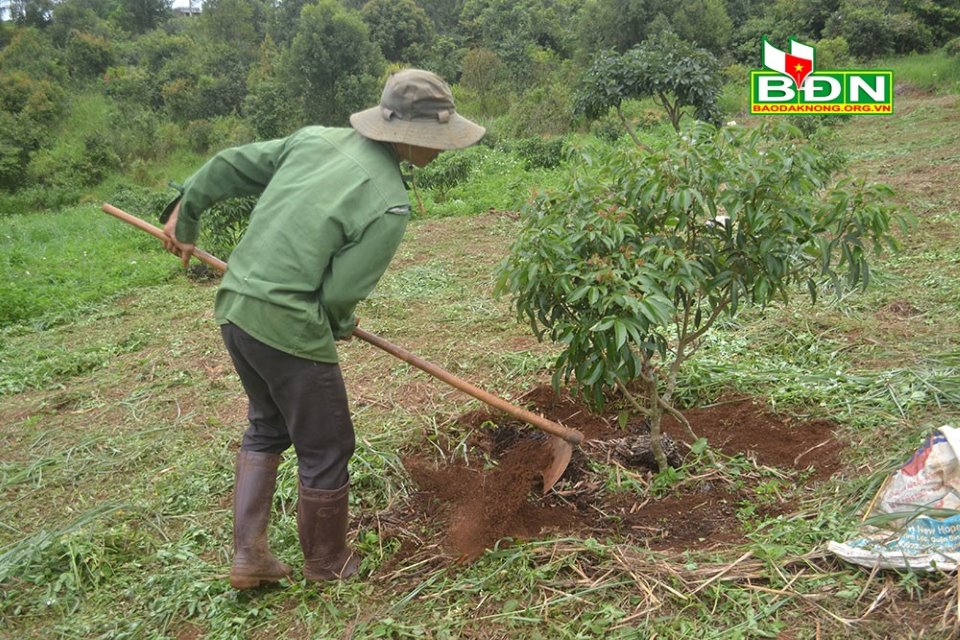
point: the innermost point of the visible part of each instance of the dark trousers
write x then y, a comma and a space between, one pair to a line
294, 401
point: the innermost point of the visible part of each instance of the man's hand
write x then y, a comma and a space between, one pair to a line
349, 337
171, 244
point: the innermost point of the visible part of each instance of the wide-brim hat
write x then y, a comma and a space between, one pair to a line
417, 108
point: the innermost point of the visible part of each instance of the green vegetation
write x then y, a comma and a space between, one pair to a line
673, 72
98, 93
121, 413
56, 268
128, 413
934, 72
631, 268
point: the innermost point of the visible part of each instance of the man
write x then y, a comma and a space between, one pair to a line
332, 209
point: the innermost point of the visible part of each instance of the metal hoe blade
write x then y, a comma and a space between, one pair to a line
561, 451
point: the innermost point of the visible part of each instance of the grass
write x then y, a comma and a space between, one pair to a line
121, 418
935, 72
497, 182
55, 268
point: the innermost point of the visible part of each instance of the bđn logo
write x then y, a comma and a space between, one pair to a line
789, 84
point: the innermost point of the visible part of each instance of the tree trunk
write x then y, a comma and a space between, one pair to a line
656, 442
626, 125
653, 413
673, 110
416, 194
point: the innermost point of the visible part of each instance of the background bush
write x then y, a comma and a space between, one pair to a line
243, 70
224, 224
540, 153
952, 48
446, 172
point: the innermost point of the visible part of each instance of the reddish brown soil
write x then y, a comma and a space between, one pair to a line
774, 440
497, 495
683, 520
481, 507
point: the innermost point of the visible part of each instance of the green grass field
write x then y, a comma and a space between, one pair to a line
933, 72
121, 416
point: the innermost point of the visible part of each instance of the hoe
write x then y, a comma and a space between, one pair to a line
562, 439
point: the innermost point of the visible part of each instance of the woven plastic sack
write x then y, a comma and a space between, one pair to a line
930, 479
919, 508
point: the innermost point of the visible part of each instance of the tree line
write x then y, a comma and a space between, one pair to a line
246, 69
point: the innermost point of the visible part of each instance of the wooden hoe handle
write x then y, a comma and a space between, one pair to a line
570, 435
202, 256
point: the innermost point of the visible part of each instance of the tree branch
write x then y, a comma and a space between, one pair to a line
671, 111
679, 417
686, 426
705, 326
626, 125
632, 400
416, 193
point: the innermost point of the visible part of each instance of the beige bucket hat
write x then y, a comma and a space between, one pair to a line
417, 108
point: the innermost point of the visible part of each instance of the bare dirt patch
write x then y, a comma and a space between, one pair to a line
743, 426
898, 309
490, 488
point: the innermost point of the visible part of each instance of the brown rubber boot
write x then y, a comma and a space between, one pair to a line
322, 522
252, 502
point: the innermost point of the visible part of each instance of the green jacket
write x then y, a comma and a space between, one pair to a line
332, 209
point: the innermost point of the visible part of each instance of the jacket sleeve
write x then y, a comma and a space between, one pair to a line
232, 173
356, 269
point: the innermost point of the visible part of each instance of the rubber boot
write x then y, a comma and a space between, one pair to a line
252, 503
322, 521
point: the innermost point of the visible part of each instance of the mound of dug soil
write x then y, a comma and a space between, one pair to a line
494, 490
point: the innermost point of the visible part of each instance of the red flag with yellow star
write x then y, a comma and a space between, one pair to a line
797, 64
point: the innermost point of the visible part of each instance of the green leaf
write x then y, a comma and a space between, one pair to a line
699, 446
603, 325
578, 293
649, 311
621, 333
595, 374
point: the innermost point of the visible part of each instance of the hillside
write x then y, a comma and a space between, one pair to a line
121, 422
